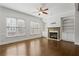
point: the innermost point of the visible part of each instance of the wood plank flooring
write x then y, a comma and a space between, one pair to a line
40, 47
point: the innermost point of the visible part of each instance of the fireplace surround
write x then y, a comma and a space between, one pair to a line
54, 33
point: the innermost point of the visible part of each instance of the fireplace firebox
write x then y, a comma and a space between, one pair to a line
53, 35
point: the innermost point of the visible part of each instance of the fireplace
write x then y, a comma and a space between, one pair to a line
54, 33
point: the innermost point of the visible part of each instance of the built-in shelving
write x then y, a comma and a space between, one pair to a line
67, 24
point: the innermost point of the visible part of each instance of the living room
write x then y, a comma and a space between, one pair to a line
39, 29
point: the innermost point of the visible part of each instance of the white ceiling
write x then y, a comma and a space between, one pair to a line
30, 8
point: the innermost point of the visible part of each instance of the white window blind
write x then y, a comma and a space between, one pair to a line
14, 27
35, 28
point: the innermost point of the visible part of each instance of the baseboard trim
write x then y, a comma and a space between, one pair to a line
68, 40
76, 43
9, 42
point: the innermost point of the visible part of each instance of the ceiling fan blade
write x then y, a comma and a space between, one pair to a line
44, 12
45, 9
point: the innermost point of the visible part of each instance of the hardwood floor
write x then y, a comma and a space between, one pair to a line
40, 47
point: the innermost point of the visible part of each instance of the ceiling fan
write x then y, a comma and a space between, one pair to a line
42, 9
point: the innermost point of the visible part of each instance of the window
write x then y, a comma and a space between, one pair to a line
15, 27
35, 28
20, 27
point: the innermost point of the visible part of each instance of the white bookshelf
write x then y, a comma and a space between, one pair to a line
67, 24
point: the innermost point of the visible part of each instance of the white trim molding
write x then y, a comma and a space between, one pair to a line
76, 43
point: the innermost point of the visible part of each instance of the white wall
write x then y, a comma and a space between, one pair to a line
0, 28
5, 12
76, 24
